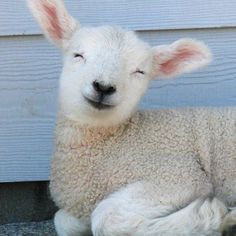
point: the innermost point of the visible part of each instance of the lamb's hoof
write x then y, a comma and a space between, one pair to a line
230, 231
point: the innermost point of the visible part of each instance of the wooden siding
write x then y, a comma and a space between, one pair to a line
30, 68
135, 14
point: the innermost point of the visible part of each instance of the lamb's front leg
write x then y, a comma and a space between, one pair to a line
68, 225
136, 211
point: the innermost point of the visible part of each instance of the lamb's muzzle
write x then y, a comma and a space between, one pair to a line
102, 89
101, 95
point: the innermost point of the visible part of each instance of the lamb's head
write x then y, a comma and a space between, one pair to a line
107, 69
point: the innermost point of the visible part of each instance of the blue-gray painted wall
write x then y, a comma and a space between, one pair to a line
30, 67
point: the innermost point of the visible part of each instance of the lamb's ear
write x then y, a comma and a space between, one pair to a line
184, 55
57, 25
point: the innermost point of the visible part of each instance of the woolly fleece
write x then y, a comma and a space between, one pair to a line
185, 153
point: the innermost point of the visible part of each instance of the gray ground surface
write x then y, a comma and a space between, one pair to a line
25, 202
44, 228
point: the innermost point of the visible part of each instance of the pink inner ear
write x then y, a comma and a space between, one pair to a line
182, 55
54, 28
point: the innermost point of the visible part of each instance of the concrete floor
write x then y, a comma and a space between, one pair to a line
25, 202
29, 203
43, 228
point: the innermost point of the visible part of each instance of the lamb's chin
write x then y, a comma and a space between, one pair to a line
94, 117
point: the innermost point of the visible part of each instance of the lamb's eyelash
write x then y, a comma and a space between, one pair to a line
140, 71
78, 55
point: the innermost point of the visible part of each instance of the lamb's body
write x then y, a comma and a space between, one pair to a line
180, 152
139, 174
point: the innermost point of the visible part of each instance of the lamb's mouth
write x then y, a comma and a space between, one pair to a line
100, 105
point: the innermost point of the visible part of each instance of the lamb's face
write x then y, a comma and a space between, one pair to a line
106, 71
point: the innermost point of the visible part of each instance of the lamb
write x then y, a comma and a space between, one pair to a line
117, 171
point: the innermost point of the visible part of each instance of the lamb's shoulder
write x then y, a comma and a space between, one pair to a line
181, 121
166, 129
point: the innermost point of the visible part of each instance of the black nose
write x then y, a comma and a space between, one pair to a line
103, 89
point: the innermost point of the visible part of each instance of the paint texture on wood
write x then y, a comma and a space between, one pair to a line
15, 18
28, 81
30, 68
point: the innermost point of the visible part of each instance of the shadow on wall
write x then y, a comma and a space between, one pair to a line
24, 202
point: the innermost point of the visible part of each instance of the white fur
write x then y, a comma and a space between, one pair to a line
67, 225
112, 56
113, 60
66, 23
126, 213
201, 56
109, 64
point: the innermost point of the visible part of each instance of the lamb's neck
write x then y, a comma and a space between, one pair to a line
73, 135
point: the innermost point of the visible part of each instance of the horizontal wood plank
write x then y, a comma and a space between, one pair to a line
26, 146
15, 18
211, 86
29, 73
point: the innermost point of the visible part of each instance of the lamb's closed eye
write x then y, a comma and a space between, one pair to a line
139, 71
76, 55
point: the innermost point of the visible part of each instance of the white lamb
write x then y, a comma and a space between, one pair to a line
119, 172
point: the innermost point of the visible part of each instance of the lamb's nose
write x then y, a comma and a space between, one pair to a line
103, 89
